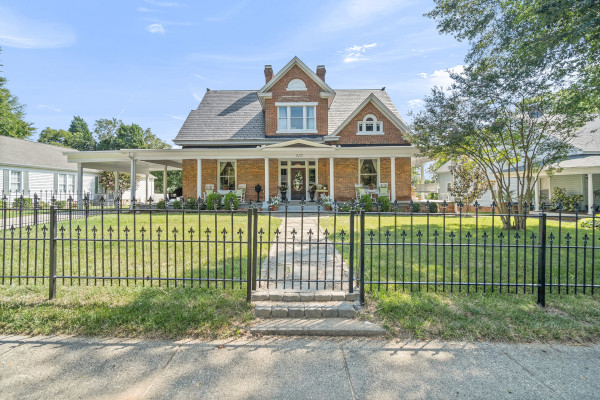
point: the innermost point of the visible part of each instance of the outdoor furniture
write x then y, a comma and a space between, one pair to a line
241, 192
360, 192
208, 189
383, 190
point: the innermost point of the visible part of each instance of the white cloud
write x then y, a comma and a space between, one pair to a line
144, 10
197, 96
441, 77
357, 13
415, 103
19, 31
177, 117
51, 108
201, 77
156, 28
357, 53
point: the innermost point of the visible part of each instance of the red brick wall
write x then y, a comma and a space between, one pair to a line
323, 171
280, 94
189, 173
385, 171
273, 177
403, 186
392, 135
345, 172
209, 174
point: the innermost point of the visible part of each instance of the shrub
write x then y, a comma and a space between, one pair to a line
213, 201
22, 202
161, 205
433, 208
345, 207
177, 205
385, 205
60, 204
190, 204
416, 207
367, 202
569, 202
230, 200
591, 222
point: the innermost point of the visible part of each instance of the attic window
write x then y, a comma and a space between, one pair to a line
296, 84
370, 126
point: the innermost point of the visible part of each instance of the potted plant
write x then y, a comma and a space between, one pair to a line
326, 201
312, 190
283, 189
274, 203
370, 186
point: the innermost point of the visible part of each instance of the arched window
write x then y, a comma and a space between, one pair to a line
296, 84
370, 126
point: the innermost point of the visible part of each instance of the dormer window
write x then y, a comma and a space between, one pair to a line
370, 126
296, 84
296, 117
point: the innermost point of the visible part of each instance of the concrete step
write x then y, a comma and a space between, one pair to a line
303, 296
306, 309
316, 327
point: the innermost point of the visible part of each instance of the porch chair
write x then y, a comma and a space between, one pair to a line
208, 189
360, 191
383, 190
241, 192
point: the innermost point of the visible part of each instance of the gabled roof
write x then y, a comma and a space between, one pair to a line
27, 154
297, 143
286, 68
588, 138
346, 103
224, 115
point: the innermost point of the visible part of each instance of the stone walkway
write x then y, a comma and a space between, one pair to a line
307, 262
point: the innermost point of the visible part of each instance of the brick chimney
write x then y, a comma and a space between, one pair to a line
268, 73
321, 72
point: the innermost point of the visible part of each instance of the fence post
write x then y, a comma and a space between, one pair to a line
255, 256
542, 261
351, 241
249, 258
52, 258
361, 256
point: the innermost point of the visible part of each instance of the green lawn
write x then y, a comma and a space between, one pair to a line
124, 312
491, 316
452, 257
136, 248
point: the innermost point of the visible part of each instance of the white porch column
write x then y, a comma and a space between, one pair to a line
165, 183
132, 183
590, 194
116, 174
266, 188
331, 179
147, 186
79, 186
393, 178
537, 195
199, 178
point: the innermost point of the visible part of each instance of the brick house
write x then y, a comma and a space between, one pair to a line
295, 130
298, 131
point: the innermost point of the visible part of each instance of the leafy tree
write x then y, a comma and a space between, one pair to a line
470, 181
154, 142
512, 133
81, 137
57, 137
174, 179
105, 130
524, 38
12, 116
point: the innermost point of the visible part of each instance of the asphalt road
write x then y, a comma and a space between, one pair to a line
288, 368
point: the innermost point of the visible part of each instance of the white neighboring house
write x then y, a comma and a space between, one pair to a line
578, 174
30, 168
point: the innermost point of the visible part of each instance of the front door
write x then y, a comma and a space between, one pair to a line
298, 183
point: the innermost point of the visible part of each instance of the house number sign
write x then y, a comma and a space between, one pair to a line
299, 155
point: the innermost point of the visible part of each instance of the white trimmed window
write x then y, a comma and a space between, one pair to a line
296, 117
16, 181
227, 172
66, 183
368, 172
370, 126
296, 84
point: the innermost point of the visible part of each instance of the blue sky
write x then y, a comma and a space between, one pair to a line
150, 61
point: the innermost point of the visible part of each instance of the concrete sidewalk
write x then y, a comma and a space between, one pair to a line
81, 368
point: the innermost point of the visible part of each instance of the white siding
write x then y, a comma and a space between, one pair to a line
41, 181
572, 183
88, 183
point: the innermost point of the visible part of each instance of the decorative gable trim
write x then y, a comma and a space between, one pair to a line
380, 106
296, 143
263, 92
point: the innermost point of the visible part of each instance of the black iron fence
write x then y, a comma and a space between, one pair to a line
309, 248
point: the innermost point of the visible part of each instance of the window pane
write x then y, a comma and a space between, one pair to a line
379, 127
310, 112
15, 181
296, 112
227, 175
369, 127
368, 167
297, 118
296, 123
282, 120
368, 180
